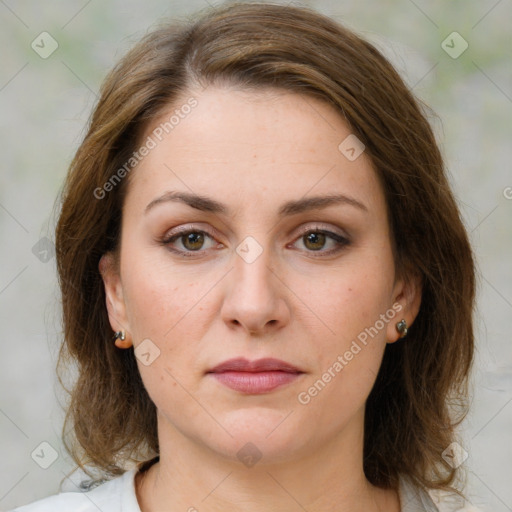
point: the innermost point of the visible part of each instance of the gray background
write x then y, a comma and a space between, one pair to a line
45, 104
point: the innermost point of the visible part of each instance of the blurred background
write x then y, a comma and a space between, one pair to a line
456, 56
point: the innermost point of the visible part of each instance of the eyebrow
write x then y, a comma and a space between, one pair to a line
293, 207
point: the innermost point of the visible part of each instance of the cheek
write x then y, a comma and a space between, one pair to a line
350, 299
157, 297
349, 359
162, 307
355, 304
171, 308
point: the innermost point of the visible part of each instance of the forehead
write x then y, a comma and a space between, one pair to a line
244, 145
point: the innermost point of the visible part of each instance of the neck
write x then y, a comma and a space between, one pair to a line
192, 477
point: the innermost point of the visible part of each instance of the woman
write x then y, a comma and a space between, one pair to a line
266, 283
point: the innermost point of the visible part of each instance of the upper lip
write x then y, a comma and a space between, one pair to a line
267, 364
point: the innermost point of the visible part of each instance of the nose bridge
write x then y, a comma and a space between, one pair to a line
253, 263
253, 298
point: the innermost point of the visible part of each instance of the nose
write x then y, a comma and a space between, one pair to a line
255, 298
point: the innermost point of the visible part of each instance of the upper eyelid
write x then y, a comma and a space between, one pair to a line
332, 234
318, 227
212, 232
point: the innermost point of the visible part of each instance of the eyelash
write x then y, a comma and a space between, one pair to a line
341, 241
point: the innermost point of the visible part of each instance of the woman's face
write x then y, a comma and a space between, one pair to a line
269, 268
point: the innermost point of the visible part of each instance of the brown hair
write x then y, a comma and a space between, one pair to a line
409, 415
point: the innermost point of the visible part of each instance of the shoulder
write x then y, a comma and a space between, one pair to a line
414, 498
111, 496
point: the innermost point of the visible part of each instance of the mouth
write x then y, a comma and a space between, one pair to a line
255, 377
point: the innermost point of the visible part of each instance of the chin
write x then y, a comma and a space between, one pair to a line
261, 433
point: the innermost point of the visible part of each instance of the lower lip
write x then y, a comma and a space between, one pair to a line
255, 382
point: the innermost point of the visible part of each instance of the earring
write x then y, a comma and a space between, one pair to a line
401, 327
119, 335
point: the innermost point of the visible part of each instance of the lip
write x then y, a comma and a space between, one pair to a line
267, 364
255, 377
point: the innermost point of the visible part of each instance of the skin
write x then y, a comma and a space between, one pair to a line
254, 151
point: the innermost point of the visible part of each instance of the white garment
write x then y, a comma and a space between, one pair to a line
118, 495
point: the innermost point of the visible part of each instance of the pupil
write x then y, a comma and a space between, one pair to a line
316, 238
194, 238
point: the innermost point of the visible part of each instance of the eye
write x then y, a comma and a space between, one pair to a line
191, 240
315, 239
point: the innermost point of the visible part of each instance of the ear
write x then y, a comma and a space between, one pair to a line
114, 298
407, 301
